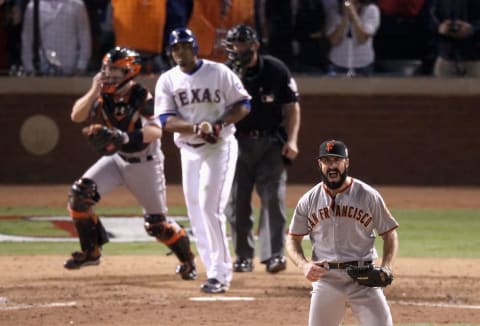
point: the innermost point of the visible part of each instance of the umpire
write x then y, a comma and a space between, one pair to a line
267, 140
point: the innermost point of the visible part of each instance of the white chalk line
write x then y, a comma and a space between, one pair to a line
221, 298
36, 306
435, 304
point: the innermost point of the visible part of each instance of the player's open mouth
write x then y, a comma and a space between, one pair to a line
333, 174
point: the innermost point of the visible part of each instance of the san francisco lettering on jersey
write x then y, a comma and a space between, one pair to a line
197, 95
341, 211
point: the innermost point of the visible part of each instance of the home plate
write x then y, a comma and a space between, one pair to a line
222, 298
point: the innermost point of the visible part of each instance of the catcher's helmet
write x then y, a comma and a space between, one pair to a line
128, 60
183, 35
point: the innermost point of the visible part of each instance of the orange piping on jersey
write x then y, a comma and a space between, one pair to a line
341, 189
396, 226
298, 235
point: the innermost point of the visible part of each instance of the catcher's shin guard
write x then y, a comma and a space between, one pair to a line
91, 232
174, 237
92, 235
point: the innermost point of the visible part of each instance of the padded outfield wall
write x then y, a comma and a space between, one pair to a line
400, 131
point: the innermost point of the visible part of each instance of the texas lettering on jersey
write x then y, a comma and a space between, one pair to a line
197, 95
352, 212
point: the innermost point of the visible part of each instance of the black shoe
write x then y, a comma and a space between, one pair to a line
81, 259
187, 271
212, 285
243, 265
276, 264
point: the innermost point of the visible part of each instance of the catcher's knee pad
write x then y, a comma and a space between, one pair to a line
91, 233
166, 231
82, 196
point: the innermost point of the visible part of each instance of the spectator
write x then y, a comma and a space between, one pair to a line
64, 38
309, 33
351, 32
457, 24
139, 24
100, 14
279, 29
210, 20
404, 35
12, 16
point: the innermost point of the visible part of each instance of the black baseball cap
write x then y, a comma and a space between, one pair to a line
333, 148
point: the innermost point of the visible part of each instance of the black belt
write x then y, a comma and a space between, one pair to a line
136, 159
256, 133
348, 263
195, 145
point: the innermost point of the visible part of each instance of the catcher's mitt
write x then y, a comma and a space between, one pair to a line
372, 276
207, 131
105, 141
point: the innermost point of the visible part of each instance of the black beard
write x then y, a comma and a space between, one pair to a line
336, 184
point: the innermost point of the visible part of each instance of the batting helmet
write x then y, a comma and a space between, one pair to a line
125, 59
183, 35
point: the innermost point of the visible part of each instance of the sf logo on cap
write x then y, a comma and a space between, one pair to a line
329, 146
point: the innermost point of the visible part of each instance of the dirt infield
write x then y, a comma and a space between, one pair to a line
142, 290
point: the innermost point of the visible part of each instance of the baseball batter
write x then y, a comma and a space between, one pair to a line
200, 100
136, 161
341, 215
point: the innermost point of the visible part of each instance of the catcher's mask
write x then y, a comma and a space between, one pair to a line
182, 35
124, 59
242, 34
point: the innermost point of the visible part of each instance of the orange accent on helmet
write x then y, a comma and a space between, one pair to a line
128, 60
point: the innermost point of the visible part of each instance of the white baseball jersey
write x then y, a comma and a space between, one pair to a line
203, 95
342, 228
207, 169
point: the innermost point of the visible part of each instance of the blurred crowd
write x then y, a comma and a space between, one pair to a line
325, 37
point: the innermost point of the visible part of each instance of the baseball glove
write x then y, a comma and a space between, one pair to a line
372, 276
207, 131
106, 141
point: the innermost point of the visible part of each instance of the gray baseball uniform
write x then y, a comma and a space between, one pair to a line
343, 229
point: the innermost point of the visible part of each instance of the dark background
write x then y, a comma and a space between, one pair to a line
425, 138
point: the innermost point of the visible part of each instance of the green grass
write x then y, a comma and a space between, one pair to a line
438, 232
422, 233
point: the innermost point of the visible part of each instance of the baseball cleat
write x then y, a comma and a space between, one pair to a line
80, 259
276, 264
243, 265
187, 271
212, 285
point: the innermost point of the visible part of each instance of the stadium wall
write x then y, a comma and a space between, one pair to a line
418, 131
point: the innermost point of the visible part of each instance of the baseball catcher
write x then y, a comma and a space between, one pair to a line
128, 139
372, 276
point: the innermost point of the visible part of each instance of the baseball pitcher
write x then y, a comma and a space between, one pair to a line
342, 215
